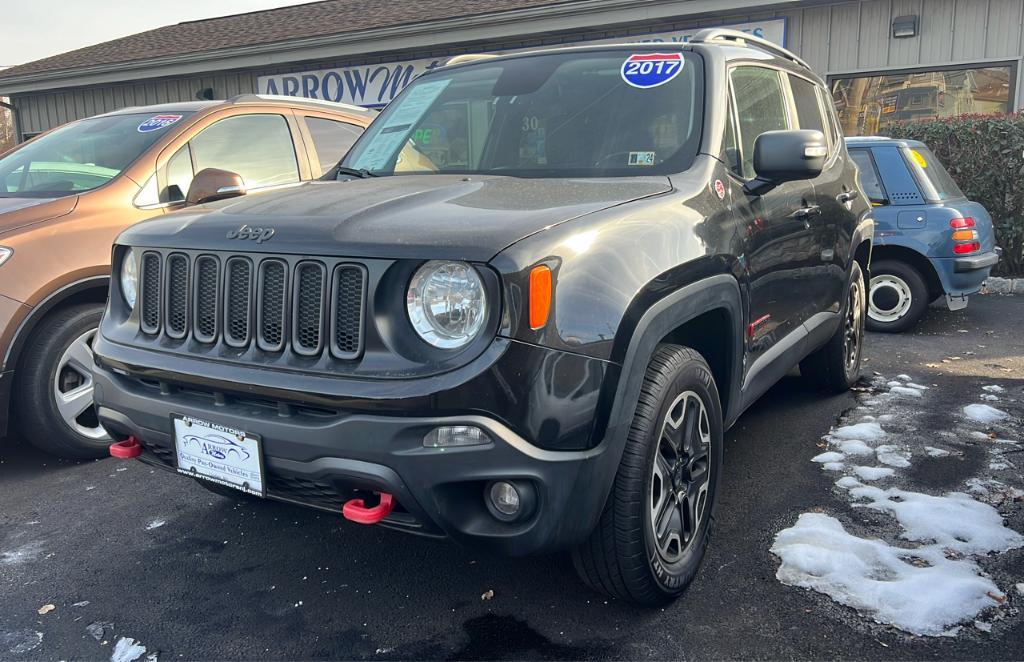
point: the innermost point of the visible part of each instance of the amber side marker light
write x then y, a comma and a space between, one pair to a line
540, 296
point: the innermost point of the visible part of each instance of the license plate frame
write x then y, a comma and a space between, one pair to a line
219, 454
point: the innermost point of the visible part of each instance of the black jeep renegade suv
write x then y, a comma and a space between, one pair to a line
533, 335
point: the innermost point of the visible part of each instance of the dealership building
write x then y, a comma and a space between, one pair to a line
885, 60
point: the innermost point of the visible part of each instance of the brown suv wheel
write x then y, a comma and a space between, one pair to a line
55, 382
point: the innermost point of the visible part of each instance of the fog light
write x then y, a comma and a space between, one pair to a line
505, 498
451, 436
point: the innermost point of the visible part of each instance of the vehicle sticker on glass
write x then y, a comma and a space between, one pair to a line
646, 70
920, 159
641, 158
412, 105
720, 189
157, 122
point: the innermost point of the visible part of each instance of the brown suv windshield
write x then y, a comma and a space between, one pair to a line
81, 156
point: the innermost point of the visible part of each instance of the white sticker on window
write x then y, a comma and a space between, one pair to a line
399, 124
157, 122
641, 158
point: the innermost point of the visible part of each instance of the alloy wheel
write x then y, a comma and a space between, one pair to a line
681, 477
73, 388
853, 327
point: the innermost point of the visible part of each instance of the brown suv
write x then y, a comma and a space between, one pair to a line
65, 196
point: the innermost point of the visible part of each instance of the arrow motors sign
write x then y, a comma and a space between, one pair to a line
374, 85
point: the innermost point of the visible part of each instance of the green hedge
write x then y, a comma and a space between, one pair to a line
985, 155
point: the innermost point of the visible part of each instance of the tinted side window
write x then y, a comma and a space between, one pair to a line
730, 148
760, 107
257, 147
869, 178
805, 98
331, 140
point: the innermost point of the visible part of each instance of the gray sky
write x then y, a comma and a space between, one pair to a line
34, 29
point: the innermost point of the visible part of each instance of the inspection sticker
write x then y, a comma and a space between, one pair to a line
158, 122
641, 158
720, 189
645, 70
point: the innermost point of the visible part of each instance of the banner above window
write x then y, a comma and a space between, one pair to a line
374, 85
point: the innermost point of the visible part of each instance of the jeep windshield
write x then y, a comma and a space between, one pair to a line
82, 155
605, 113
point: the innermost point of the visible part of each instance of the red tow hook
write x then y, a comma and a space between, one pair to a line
356, 510
127, 449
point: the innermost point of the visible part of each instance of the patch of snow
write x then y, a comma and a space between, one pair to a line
878, 579
127, 650
893, 384
20, 641
936, 452
954, 521
998, 465
848, 482
1020, 588
902, 390
893, 456
983, 626
978, 436
873, 473
833, 466
887, 418
869, 431
155, 524
855, 447
984, 413
919, 387
830, 456
988, 397
27, 552
992, 388
905, 378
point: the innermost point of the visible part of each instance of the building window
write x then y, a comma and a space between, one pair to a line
867, 104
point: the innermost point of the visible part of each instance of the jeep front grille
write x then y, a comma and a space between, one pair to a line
277, 304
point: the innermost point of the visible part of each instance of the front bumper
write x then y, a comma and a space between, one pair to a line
322, 458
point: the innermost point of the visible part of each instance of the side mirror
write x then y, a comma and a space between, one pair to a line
786, 156
214, 184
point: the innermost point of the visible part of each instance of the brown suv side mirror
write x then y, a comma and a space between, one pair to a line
214, 184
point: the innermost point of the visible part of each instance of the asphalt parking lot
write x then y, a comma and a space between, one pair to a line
122, 551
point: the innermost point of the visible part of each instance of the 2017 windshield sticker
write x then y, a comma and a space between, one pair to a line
399, 124
641, 158
647, 70
157, 122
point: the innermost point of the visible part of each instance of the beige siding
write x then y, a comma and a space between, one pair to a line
834, 37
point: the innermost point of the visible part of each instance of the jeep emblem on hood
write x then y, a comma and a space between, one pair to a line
258, 234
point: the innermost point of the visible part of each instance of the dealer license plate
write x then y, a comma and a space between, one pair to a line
219, 454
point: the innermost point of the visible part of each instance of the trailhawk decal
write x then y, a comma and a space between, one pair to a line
646, 70
157, 122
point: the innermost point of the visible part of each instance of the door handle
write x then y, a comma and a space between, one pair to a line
806, 213
848, 196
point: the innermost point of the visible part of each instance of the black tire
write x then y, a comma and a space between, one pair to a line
835, 367
37, 415
623, 557
897, 297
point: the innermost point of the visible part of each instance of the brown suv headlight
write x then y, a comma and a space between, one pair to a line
5, 253
129, 278
447, 303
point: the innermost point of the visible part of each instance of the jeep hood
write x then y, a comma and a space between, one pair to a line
406, 216
18, 212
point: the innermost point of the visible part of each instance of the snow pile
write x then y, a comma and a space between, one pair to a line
127, 650
984, 414
920, 590
903, 390
936, 452
855, 447
993, 389
873, 473
954, 521
867, 431
891, 455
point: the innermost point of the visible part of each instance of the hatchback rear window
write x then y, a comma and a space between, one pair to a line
933, 178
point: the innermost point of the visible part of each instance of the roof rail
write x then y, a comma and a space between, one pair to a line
709, 35
468, 57
337, 105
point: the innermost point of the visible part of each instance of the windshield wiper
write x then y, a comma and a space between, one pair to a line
361, 173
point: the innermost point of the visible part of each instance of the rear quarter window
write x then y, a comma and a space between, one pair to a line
869, 179
932, 177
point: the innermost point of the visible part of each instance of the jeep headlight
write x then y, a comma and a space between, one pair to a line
129, 278
447, 303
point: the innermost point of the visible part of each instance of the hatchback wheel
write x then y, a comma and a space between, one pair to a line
897, 296
656, 523
55, 410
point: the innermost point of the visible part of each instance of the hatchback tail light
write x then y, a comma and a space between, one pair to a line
965, 238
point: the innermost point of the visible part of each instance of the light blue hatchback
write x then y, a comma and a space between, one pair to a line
930, 240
